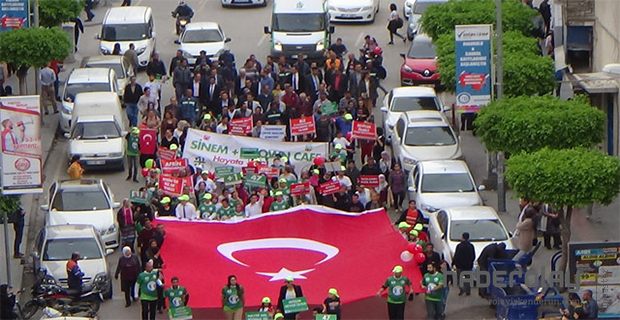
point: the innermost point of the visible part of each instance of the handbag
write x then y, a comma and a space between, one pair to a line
399, 22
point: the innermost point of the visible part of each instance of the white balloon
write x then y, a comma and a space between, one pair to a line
406, 256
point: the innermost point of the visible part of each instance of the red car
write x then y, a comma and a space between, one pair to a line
420, 65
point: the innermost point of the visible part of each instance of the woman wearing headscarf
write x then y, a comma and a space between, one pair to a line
382, 189
125, 219
128, 267
385, 163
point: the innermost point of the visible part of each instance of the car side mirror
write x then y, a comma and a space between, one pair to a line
384, 109
153, 34
116, 205
177, 41
510, 234
402, 55
411, 189
34, 255
67, 135
482, 187
124, 133
443, 236
332, 29
45, 207
266, 30
109, 252
97, 37
446, 108
228, 40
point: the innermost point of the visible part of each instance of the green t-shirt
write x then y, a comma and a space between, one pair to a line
206, 210
232, 297
277, 206
396, 289
148, 285
175, 296
226, 212
234, 202
431, 281
132, 145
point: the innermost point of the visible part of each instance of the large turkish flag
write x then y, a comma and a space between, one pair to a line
320, 247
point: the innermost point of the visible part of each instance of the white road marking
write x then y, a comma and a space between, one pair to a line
262, 39
358, 42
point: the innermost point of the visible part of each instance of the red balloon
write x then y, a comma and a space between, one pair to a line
417, 249
319, 161
145, 172
419, 257
411, 247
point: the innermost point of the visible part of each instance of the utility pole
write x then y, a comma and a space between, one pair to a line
7, 249
499, 84
35, 23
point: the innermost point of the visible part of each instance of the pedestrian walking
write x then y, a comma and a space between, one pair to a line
132, 57
126, 224
590, 306
525, 232
47, 76
433, 282
177, 295
131, 96
8, 300
233, 299
88, 7
133, 151
396, 286
331, 304
550, 226
289, 291
463, 260
398, 184
75, 169
126, 3
181, 79
395, 22
149, 280
17, 218
77, 29
128, 268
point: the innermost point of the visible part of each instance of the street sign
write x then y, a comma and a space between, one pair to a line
232, 179
473, 66
255, 180
295, 305
249, 153
14, 14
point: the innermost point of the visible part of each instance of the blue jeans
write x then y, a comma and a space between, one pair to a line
132, 113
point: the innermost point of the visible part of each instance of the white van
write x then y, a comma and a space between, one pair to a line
85, 80
98, 129
300, 27
126, 25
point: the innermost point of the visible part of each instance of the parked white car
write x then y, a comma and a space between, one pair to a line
423, 136
243, 3
55, 244
407, 99
119, 64
436, 185
483, 224
199, 36
86, 201
353, 10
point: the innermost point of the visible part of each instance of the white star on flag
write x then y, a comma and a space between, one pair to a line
285, 273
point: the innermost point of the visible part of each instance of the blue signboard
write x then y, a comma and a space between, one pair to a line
474, 85
14, 14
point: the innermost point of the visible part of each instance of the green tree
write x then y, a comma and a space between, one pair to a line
441, 19
8, 204
32, 47
527, 124
53, 13
565, 179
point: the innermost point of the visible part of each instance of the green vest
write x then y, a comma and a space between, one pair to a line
206, 210
226, 212
232, 299
433, 280
277, 206
175, 296
396, 289
148, 285
132, 145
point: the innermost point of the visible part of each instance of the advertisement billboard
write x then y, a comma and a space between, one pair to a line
474, 78
14, 14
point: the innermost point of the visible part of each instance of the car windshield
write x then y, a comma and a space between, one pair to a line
479, 230
118, 69
429, 136
403, 104
96, 130
61, 249
447, 182
420, 6
72, 89
294, 22
422, 49
200, 36
80, 200
124, 32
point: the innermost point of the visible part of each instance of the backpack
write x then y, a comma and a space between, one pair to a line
399, 22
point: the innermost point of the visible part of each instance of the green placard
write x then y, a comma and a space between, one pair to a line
231, 179
249, 153
329, 108
222, 171
140, 197
180, 313
295, 305
325, 317
255, 180
255, 315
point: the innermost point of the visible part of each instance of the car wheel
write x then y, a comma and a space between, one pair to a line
110, 293
121, 167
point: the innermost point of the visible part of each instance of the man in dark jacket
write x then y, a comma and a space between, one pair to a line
156, 67
131, 95
287, 291
492, 251
463, 260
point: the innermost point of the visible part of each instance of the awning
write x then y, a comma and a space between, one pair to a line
597, 82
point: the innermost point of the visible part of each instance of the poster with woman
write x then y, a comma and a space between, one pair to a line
20, 118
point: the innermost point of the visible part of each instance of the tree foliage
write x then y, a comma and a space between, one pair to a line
8, 204
441, 19
569, 177
446, 60
33, 47
53, 13
530, 123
